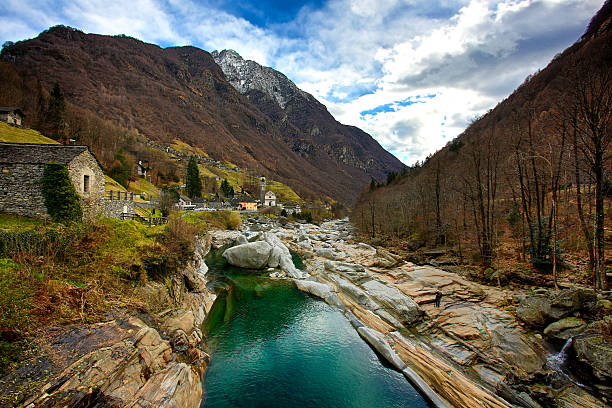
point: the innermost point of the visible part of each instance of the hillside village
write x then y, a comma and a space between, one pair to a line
100, 195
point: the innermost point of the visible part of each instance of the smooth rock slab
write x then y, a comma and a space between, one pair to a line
254, 255
395, 301
377, 341
320, 290
353, 272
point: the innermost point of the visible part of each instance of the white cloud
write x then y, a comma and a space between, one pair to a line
356, 55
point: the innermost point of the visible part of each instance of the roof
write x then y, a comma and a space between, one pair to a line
11, 109
246, 200
271, 194
29, 153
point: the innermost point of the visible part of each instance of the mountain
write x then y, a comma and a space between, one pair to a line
306, 125
552, 135
180, 93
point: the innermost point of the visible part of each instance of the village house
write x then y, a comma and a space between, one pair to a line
293, 208
184, 203
247, 203
270, 199
11, 115
199, 202
142, 167
22, 166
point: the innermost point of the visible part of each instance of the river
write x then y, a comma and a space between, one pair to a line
273, 346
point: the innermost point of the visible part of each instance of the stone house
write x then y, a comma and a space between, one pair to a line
270, 199
11, 115
293, 208
21, 168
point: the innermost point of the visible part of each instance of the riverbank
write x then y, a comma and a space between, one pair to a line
471, 351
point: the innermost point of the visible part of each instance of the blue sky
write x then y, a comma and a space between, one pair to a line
412, 73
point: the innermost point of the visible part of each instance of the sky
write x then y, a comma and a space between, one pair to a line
412, 73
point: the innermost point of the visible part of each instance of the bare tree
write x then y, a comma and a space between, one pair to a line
592, 99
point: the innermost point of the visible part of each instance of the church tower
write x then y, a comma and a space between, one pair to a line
262, 189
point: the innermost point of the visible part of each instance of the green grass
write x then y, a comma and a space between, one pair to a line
184, 148
13, 134
284, 193
16, 223
127, 241
140, 185
214, 219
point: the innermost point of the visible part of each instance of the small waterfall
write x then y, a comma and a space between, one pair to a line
558, 361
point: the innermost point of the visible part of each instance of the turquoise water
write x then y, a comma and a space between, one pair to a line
273, 346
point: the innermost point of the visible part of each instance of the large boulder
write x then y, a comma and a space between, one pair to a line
220, 239
595, 350
575, 299
393, 301
565, 328
534, 310
254, 255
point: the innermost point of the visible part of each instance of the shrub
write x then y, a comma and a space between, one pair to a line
60, 198
234, 222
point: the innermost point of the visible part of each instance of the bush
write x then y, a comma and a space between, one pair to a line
60, 198
234, 222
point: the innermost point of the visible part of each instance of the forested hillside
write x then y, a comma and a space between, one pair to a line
120, 91
527, 180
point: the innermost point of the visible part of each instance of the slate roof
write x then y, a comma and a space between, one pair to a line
26, 153
4, 109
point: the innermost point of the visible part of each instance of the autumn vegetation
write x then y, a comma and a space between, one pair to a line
526, 184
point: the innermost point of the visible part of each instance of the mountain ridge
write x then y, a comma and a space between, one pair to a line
180, 93
306, 123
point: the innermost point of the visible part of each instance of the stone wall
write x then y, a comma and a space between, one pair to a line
20, 191
115, 208
91, 201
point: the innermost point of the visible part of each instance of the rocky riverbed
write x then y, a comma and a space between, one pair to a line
471, 351
484, 347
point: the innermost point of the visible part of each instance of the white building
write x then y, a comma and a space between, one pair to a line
11, 115
270, 199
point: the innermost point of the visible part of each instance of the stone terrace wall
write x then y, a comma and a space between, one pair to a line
114, 208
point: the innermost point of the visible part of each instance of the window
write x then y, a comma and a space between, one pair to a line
86, 184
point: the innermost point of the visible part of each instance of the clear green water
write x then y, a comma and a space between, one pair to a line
273, 346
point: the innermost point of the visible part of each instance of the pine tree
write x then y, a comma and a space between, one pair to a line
193, 182
56, 112
59, 195
121, 169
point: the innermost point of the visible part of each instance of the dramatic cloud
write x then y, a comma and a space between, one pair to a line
412, 73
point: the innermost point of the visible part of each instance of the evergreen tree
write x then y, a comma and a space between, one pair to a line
121, 169
59, 195
56, 112
193, 182
228, 191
